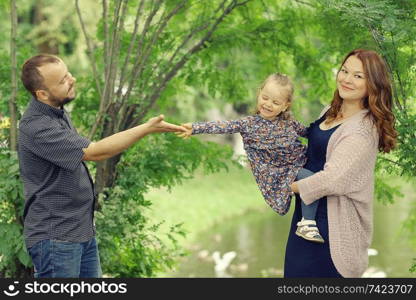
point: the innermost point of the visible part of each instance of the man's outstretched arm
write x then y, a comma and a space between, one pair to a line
118, 142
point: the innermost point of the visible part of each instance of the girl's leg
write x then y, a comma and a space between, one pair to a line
307, 226
308, 211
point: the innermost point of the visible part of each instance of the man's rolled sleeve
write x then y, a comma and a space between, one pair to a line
59, 145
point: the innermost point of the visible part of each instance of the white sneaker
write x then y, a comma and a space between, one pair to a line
307, 229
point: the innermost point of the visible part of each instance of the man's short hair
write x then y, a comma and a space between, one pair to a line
31, 77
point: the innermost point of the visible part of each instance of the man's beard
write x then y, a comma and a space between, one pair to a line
67, 100
61, 102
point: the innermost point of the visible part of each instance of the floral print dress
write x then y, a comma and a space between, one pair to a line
273, 150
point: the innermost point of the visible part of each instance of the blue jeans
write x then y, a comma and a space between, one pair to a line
62, 259
308, 211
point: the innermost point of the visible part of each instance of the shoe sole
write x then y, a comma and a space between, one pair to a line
310, 239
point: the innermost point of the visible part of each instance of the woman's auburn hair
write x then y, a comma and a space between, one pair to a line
379, 101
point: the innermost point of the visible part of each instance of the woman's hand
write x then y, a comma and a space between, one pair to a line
187, 132
294, 187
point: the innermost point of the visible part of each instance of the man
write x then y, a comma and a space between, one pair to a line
59, 192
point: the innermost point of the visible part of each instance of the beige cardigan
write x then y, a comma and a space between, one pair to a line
348, 182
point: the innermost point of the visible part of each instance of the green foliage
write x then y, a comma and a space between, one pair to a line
405, 157
85, 104
305, 41
13, 253
409, 226
385, 193
12, 247
413, 267
5, 78
130, 244
165, 160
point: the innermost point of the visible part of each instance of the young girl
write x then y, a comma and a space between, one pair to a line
271, 142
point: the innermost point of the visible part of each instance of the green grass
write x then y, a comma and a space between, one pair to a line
206, 200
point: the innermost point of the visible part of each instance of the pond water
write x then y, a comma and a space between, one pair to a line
255, 243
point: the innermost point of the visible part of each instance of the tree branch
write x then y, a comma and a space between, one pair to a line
173, 56
89, 49
127, 58
105, 23
111, 69
116, 50
111, 43
397, 72
139, 47
160, 26
137, 69
388, 61
169, 75
181, 46
187, 39
391, 161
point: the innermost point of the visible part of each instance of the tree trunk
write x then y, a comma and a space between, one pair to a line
12, 100
48, 46
106, 170
21, 270
106, 174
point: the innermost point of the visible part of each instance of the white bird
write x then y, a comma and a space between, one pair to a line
372, 252
373, 272
222, 263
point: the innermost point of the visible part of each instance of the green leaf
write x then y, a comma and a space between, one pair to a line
24, 258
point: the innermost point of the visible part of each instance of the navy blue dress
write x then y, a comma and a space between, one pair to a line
304, 258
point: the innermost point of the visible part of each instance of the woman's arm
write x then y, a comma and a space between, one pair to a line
346, 170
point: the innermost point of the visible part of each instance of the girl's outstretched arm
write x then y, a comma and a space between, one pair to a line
215, 127
300, 129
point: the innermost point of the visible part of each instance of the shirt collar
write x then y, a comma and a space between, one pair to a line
46, 109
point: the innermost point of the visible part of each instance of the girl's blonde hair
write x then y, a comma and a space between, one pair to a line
283, 81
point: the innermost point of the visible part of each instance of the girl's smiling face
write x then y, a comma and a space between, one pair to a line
272, 100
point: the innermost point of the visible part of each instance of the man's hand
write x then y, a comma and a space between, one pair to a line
157, 124
188, 131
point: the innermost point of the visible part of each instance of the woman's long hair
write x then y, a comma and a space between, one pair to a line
379, 101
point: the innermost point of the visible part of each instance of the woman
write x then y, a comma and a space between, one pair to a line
342, 149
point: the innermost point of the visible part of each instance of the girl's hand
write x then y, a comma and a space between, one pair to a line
294, 187
187, 132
